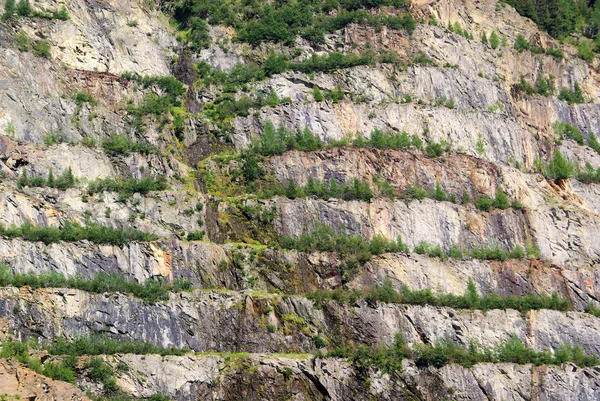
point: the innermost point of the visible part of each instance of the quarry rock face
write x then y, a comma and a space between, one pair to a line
241, 303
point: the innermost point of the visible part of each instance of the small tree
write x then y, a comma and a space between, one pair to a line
24, 8
484, 38
317, 94
9, 9
439, 193
560, 167
273, 98
521, 43
494, 40
501, 200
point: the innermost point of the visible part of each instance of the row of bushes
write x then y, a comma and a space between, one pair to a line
150, 291
354, 250
444, 352
121, 145
62, 182
126, 188
470, 300
483, 253
71, 231
360, 190
351, 190
242, 74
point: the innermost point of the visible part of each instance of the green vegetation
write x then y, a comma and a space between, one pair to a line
572, 97
98, 344
63, 370
281, 21
494, 40
457, 29
121, 145
470, 300
389, 358
560, 168
126, 188
557, 168
67, 368
165, 97
355, 251
561, 18
382, 140
521, 44
62, 182
195, 236
71, 231
278, 141
42, 48
352, 250
151, 291
562, 130
351, 190
83, 97
9, 9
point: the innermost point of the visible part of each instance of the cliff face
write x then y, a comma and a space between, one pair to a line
94, 109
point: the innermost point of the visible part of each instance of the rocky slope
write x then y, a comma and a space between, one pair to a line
94, 108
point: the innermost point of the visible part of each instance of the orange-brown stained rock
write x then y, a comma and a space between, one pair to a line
19, 382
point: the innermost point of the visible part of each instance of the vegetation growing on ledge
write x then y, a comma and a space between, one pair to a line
470, 300
560, 168
444, 352
98, 344
121, 145
281, 22
126, 188
354, 251
69, 369
71, 231
150, 291
64, 181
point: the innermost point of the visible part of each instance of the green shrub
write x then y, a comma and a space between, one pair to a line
24, 8
83, 97
23, 41
42, 48
585, 50
195, 236
501, 200
560, 167
121, 145
563, 129
572, 97
494, 40
483, 203
9, 9
521, 44
593, 142
544, 86
435, 149
317, 94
